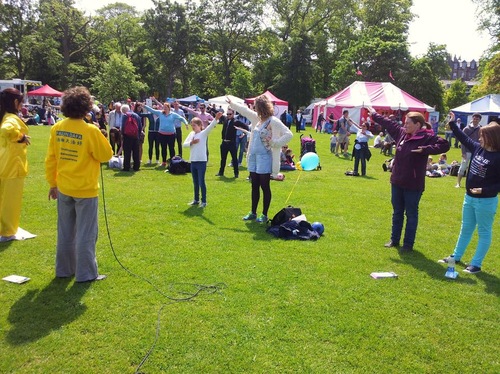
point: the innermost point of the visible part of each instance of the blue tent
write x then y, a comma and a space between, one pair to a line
190, 99
488, 105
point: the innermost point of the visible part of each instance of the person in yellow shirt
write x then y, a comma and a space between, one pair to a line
76, 150
14, 141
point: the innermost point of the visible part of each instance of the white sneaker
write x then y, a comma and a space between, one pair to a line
457, 186
203, 205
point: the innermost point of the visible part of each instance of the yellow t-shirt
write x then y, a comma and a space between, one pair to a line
76, 150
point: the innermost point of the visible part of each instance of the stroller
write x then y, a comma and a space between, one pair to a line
307, 144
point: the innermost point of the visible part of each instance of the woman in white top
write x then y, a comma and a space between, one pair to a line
197, 141
361, 150
267, 135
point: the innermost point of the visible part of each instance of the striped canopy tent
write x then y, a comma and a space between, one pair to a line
382, 96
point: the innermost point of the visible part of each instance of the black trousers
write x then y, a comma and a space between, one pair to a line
131, 148
154, 142
230, 147
167, 140
178, 137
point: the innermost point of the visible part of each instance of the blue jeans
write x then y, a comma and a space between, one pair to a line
360, 155
478, 212
241, 144
198, 169
404, 201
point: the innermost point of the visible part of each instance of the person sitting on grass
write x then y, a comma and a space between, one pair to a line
287, 156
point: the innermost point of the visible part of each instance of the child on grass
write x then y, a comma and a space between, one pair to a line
333, 142
197, 141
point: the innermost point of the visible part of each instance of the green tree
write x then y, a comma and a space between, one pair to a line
490, 18
122, 28
376, 53
173, 38
117, 80
230, 38
64, 37
378, 44
456, 95
438, 60
295, 83
17, 21
490, 78
241, 81
420, 82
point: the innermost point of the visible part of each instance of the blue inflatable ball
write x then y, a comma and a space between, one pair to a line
318, 227
309, 161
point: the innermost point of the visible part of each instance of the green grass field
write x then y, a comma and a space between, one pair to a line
276, 306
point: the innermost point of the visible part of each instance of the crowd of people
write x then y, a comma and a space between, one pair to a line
91, 134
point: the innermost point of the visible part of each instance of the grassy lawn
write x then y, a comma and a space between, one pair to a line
276, 306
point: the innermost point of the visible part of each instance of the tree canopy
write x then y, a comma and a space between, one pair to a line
299, 49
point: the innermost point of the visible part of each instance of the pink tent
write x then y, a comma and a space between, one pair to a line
271, 97
279, 105
382, 96
45, 91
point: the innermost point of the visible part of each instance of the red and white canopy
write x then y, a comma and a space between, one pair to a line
378, 95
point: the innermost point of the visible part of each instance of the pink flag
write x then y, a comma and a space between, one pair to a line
358, 72
390, 75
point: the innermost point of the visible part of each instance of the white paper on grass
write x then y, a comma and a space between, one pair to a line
16, 279
300, 218
383, 274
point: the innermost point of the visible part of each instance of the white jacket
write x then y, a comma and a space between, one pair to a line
281, 134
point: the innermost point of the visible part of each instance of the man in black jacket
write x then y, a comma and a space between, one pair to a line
229, 143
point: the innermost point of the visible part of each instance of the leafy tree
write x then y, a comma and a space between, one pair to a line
456, 95
295, 83
378, 44
64, 34
121, 27
420, 82
490, 78
241, 81
17, 21
230, 38
438, 60
117, 80
376, 53
173, 38
490, 18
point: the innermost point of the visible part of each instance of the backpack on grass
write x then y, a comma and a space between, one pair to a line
177, 165
285, 215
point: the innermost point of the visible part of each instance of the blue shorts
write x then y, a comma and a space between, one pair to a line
260, 163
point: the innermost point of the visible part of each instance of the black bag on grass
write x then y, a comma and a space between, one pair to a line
177, 165
285, 215
293, 230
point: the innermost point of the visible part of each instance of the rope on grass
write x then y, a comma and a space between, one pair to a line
186, 295
293, 188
